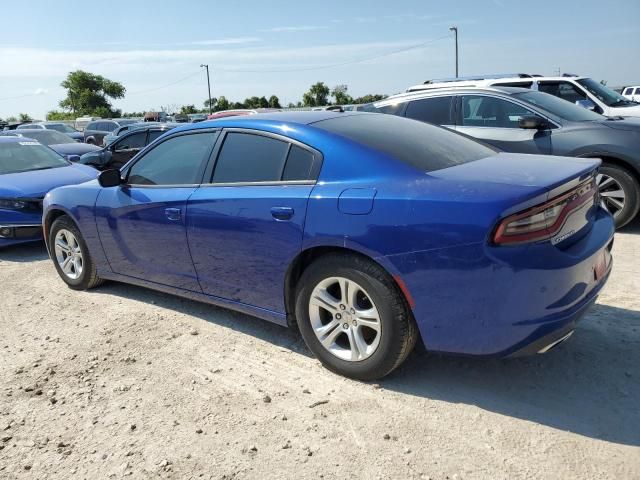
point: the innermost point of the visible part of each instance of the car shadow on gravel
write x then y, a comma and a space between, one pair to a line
590, 385
29, 252
246, 324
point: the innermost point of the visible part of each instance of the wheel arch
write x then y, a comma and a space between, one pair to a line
616, 160
309, 255
50, 217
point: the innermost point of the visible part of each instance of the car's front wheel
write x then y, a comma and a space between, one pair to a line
71, 256
353, 317
619, 193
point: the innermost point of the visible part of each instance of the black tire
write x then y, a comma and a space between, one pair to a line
398, 331
90, 141
631, 190
89, 277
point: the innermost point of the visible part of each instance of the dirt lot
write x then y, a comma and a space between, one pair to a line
123, 381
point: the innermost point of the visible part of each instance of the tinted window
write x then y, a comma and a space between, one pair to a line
177, 161
60, 127
91, 126
250, 158
564, 90
627, 91
301, 165
513, 84
417, 144
155, 134
637, 91
435, 110
135, 140
28, 125
482, 111
393, 109
604, 93
48, 137
108, 126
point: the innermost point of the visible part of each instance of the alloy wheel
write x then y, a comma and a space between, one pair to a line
344, 319
612, 196
68, 254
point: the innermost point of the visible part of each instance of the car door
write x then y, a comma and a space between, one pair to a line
142, 222
125, 148
494, 120
246, 226
636, 95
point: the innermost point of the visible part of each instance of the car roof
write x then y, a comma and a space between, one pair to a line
273, 118
487, 81
453, 90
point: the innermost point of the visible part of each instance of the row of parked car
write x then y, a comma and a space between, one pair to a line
359, 228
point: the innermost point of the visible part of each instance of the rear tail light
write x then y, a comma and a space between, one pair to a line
546, 220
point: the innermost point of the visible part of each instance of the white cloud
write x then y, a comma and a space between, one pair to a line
41, 91
224, 41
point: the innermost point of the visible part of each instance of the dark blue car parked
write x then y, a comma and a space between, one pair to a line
28, 170
366, 231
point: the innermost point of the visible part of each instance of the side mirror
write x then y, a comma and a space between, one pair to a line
109, 178
588, 104
532, 122
73, 158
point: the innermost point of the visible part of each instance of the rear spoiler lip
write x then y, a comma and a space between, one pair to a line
554, 192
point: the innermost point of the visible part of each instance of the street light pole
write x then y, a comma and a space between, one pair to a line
455, 31
208, 87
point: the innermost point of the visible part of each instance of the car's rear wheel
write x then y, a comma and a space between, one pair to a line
619, 193
353, 317
71, 256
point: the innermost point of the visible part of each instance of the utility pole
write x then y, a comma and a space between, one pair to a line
455, 31
208, 87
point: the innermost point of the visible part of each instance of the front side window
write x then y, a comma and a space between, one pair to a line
245, 157
176, 161
91, 126
135, 140
108, 126
637, 91
435, 110
483, 111
558, 107
564, 90
627, 91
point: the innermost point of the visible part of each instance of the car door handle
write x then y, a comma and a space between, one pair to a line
173, 213
282, 213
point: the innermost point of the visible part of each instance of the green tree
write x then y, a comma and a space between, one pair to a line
369, 98
274, 102
24, 117
187, 109
222, 104
339, 92
213, 102
11, 119
317, 96
88, 94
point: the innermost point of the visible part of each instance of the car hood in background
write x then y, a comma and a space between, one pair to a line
37, 183
78, 136
74, 148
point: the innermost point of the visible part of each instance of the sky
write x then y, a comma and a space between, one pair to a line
281, 47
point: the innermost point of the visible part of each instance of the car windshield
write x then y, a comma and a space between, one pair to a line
60, 127
603, 93
418, 144
25, 156
48, 137
558, 107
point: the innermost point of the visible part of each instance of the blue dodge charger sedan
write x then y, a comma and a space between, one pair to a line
28, 170
367, 232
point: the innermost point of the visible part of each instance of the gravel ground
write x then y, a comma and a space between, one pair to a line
123, 381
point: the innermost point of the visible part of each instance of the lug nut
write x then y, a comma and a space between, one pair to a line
353, 311
345, 325
338, 316
342, 307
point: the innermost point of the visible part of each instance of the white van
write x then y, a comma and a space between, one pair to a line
82, 122
632, 93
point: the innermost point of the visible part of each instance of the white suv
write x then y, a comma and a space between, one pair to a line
632, 93
582, 91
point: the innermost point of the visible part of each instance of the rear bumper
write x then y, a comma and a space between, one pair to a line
502, 301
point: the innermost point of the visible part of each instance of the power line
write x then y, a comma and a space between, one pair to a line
164, 86
341, 64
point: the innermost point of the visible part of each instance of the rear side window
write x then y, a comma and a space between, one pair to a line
420, 145
436, 110
627, 91
513, 84
245, 157
301, 165
176, 161
153, 134
135, 140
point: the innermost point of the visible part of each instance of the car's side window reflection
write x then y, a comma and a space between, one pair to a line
176, 161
